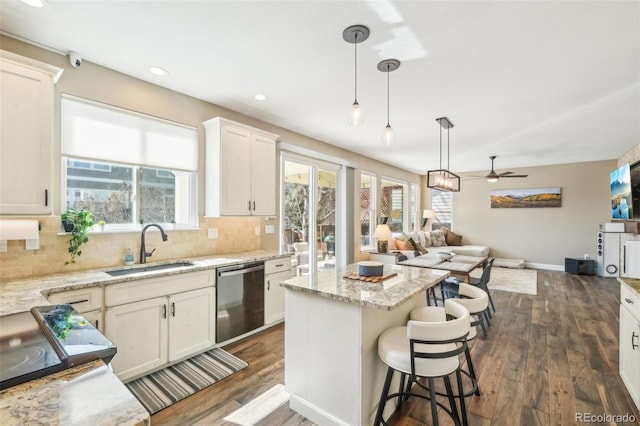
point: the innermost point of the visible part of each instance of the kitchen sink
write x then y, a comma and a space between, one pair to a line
144, 268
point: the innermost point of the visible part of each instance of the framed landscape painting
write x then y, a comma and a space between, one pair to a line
525, 198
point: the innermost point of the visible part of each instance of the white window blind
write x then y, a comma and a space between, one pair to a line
98, 131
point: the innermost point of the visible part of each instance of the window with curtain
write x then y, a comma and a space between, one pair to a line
442, 204
367, 209
126, 167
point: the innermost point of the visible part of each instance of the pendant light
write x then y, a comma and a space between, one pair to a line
388, 65
443, 179
355, 34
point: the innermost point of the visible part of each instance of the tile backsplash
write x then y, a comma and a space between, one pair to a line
106, 249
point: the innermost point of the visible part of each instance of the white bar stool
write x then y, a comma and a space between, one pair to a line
476, 301
426, 349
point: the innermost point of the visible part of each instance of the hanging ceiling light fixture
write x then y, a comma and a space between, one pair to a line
387, 66
443, 179
355, 34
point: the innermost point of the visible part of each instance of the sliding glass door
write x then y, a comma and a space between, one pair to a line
309, 212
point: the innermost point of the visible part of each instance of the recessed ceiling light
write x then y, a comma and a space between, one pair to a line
34, 3
260, 97
158, 71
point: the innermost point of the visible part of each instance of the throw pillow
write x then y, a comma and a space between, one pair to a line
402, 245
452, 238
418, 246
438, 239
427, 239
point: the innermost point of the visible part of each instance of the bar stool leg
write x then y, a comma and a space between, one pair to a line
452, 402
434, 406
463, 405
472, 371
383, 396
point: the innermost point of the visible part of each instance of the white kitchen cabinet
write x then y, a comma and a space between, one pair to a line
26, 134
156, 321
240, 170
86, 301
276, 271
140, 332
191, 322
630, 341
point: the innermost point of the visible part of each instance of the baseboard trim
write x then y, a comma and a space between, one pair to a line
547, 266
314, 413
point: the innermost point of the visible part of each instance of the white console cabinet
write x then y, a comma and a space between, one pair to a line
156, 321
630, 341
240, 170
26, 134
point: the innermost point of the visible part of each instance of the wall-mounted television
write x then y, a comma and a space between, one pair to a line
621, 193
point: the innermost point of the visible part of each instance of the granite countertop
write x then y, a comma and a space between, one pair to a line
387, 295
90, 393
86, 394
22, 294
631, 282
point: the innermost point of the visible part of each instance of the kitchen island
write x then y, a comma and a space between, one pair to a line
332, 324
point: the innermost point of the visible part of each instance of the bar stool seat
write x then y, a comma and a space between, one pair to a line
425, 350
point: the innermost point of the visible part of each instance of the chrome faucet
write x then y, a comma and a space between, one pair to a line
143, 249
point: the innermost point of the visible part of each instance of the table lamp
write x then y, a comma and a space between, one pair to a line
382, 234
426, 215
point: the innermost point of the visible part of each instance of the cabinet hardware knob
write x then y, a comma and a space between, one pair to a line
97, 325
164, 311
626, 299
268, 285
78, 301
249, 205
46, 198
254, 206
173, 309
634, 336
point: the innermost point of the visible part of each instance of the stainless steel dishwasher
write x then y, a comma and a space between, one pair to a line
239, 300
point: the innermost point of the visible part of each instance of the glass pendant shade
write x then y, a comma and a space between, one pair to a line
388, 136
356, 116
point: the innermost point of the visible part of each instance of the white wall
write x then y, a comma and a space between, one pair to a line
540, 236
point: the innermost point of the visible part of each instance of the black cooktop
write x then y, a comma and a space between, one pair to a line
46, 340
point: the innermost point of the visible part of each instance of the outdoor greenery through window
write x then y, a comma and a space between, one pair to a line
121, 194
127, 168
392, 203
367, 209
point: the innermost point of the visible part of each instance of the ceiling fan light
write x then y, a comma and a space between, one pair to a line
388, 136
356, 116
492, 179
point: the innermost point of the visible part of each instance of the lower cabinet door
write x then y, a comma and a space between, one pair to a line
274, 296
95, 318
191, 322
630, 353
140, 332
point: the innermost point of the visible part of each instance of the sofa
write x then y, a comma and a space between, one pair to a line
421, 242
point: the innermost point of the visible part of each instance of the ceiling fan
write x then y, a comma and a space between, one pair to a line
494, 177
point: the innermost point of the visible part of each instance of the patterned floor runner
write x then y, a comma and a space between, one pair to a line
171, 384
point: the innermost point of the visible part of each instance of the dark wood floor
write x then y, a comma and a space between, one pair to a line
547, 357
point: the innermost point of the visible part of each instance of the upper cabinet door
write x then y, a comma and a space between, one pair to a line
263, 176
235, 171
240, 170
26, 133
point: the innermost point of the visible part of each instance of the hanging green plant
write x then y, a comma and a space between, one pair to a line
77, 223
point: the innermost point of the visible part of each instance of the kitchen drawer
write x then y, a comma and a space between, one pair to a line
82, 300
631, 299
277, 265
134, 291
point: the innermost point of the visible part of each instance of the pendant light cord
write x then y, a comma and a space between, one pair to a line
355, 61
440, 147
388, 67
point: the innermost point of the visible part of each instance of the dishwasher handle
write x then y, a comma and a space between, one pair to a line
228, 273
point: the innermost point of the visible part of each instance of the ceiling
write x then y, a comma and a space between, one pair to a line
534, 82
